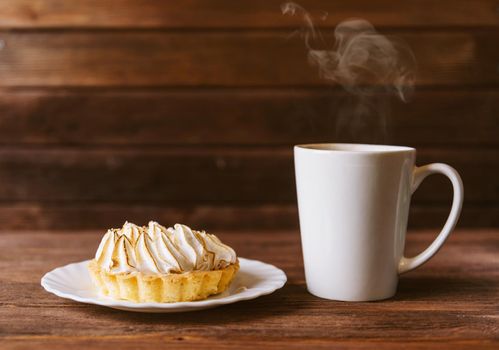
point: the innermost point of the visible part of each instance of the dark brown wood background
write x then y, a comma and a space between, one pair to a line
187, 110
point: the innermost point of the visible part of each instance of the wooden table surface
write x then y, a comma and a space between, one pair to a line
451, 302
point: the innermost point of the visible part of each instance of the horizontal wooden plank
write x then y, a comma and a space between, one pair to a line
240, 14
202, 342
247, 58
99, 216
176, 175
450, 301
249, 117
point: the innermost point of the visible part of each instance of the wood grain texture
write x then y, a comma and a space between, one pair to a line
146, 117
251, 217
140, 106
240, 14
450, 303
175, 175
203, 342
247, 58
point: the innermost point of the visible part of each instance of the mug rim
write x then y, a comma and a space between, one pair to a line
353, 148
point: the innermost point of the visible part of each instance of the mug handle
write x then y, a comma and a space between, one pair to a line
419, 174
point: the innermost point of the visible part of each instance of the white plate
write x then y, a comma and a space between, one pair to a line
253, 279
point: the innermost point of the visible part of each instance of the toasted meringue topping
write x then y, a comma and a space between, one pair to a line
158, 250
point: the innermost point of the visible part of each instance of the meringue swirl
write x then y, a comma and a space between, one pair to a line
156, 249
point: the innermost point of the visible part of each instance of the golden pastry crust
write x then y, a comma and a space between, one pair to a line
167, 288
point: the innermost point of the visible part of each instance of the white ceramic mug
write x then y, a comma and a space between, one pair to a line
353, 203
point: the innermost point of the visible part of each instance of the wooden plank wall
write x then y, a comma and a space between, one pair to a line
187, 110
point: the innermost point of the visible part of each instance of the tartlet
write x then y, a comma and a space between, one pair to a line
158, 264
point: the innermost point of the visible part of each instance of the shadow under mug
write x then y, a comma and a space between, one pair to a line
353, 203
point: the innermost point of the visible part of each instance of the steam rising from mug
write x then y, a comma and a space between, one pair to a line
365, 63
